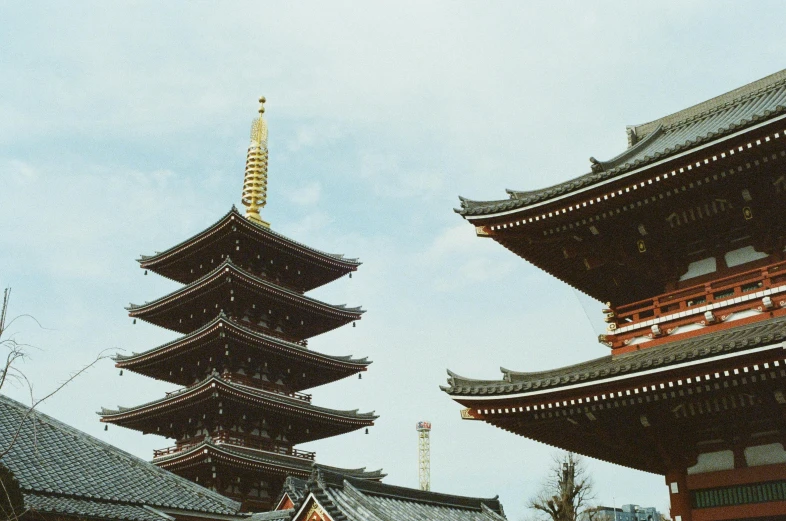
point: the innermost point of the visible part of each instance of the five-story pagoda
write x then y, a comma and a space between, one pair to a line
243, 359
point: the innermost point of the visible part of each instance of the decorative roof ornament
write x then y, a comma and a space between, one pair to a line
255, 181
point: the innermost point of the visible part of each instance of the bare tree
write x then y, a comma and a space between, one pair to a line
14, 352
566, 493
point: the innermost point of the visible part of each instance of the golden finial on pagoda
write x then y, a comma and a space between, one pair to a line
255, 181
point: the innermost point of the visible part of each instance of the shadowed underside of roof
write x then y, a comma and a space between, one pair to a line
61, 469
723, 115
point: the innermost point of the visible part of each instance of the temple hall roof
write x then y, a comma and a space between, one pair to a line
718, 117
735, 340
64, 471
349, 499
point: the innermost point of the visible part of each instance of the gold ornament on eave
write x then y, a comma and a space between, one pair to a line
255, 181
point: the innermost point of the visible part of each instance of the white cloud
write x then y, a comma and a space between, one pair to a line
306, 195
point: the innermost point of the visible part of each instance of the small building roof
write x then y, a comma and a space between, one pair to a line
723, 115
64, 471
345, 498
734, 340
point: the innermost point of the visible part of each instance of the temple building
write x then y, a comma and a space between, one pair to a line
243, 359
683, 236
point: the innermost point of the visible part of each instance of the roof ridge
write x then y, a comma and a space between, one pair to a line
715, 104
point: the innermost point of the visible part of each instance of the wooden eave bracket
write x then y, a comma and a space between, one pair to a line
468, 414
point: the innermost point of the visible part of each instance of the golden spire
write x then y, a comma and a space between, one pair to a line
255, 181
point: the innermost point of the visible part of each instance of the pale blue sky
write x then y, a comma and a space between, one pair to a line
123, 130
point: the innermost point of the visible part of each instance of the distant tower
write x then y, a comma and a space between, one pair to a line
424, 454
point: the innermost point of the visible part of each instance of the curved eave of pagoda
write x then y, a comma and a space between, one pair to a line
749, 339
667, 139
350, 420
265, 236
238, 275
137, 362
258, 460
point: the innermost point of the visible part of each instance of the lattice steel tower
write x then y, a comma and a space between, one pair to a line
424, 454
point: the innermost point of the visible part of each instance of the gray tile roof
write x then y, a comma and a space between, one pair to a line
350, 499
737, 339
743, 107
61, 505
274, 515
59, 467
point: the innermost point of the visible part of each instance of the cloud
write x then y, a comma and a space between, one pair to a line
390, 177
306, 195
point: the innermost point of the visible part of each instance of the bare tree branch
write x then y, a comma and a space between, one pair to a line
567, 490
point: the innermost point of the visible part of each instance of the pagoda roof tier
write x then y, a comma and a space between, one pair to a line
298, 265
209, 451
277, 310
653, 410
216, 396
652, 142
223, 334
618, 366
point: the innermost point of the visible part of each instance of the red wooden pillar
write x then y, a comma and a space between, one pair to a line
679, 496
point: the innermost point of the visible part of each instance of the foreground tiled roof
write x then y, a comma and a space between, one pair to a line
741, 108
63, 470
725, 341
350, 499
275, 515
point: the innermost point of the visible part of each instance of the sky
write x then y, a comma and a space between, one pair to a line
124, 128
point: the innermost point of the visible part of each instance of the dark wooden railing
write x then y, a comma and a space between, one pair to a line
718, 290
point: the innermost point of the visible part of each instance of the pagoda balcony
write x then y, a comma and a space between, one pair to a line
715, 304
265, 386
245, 442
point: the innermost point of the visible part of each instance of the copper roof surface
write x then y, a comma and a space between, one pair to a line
736, 340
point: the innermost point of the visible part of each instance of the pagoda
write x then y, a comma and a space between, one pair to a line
243, 361
683, 236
